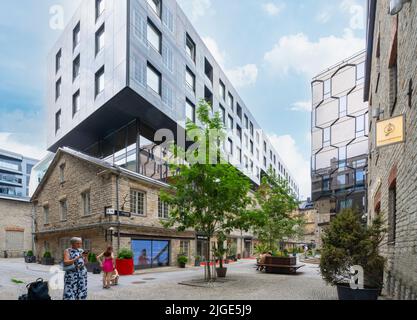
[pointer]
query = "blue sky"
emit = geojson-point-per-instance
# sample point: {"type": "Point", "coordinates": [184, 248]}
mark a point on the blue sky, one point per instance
{"type": "Point", "coordinates": [269, 48]}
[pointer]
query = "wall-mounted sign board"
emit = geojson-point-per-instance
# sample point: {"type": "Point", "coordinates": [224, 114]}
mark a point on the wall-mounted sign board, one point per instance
{"type": "Point", "coordinates": [390, 131]}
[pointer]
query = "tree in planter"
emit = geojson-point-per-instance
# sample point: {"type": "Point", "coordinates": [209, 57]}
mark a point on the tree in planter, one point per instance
{"type": "Point", "coordinates": [348, 242]}
{"type": "Point", "coordinates": [207, 195]}
{"type": "Point", "coordinates": [274, 220]}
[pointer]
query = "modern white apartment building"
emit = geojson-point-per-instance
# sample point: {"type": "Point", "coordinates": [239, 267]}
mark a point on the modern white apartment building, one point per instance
{"type": "Point", "coordinates": [123, 69]}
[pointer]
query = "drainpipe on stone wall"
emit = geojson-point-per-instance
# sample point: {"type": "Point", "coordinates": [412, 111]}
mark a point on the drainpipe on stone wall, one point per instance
{"type": "Point", "coordinates": [33, 229]}
{"type": "Point", "coordinates": [117, 210]}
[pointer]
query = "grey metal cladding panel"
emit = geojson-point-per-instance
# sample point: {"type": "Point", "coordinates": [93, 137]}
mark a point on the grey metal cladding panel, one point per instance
{"type": "Point", "coordinates": [113, 57]}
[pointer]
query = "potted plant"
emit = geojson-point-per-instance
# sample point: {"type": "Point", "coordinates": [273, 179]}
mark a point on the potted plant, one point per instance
{"type": "Point", "coordinates": [124, 262]}
{"type": "Point", "coordinates": [219, 253]}
{"type": "Point", "coordinates": [182, 260]}
{"type": "Point", "coordinates": [92, 264]}
{"type": "Point", "coordinates": [47, 259]}
{"type": "Point", "coordinates": [30, 257]}
{"type": "Point", "coordinates": [197, 261]}
{"type": "Point", "coordinates": [232, 250]}
{"type": "Point", "coordinates": [348, 243]}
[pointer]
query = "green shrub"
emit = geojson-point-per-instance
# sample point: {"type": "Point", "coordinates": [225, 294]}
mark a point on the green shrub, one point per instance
{"type": "Point", "coordinates": [29, 253]}
{"type": "Point", "coordinates": [347, 243]}
{"type": "Point", "coordinates": [182, 260]}
{"type": "Point", "coordinates": [47, 254]}
{"type": "Point", "coordinates": [125, 253]}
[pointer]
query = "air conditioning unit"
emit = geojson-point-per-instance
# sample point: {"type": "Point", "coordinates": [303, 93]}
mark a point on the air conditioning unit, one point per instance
{"type": "Point", "coordinates": [395, 6]}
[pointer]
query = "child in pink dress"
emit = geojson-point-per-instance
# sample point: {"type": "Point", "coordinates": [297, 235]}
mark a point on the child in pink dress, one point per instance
{"type": "Point", "coordinates": [108, 266]}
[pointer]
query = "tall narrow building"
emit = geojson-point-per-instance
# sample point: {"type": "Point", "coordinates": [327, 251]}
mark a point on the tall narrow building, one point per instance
{"type": "Point", "coordinates": [340, 137]}
{"type": "Point", "coordinates": [123, 69]}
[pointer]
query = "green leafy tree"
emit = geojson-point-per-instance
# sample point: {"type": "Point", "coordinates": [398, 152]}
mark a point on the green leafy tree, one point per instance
{"type": "Point", "coordinates": [207, 195]}
{"type": "Point", "coordinates": [274, 218]}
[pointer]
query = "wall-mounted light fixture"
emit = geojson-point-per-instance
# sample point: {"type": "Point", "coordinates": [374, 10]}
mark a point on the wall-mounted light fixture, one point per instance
{"type": "Point", "coordinates": [395, 6]}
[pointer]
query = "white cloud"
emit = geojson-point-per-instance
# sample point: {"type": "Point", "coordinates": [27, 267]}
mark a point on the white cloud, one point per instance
{"type": "Point", "coordinates": [298, 53]}
{"type": "Point", "coordinates": [213, 47]}
{"type": "Point", "coordinates": [273, 9]}
{"type": "Point", "coordinates": [295, 161]}
{"type": "Point", "coordinates": [9, 142]}
{"type": "Point", "coordinates": [239, 76]}
{"type": "Point", "coordinates": [301, 106]}
{"type": "Point", "coordinates": [356, 11]}
{"type": "Point", "coordinates": [195, 8]}
{"type": "Point", "coordinates": [243, 76]}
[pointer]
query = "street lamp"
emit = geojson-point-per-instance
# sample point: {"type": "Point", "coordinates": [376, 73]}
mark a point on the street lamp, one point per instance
{"type": "Point", "coordinates": [395, 6]}
{"type": "Point", "coordinates": [111, 229]}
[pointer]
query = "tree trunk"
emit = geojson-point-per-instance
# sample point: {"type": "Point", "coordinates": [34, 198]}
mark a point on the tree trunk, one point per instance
{"type": "Point", "coordinates": [208, 260]}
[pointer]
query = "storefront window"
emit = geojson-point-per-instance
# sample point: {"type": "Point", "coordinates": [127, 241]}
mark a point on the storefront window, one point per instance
{"type": "Point", "coordinates": [151, 253]}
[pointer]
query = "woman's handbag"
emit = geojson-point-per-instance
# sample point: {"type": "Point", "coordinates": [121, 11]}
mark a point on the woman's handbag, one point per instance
{"type": "Point", "coordinates": [69, 268]}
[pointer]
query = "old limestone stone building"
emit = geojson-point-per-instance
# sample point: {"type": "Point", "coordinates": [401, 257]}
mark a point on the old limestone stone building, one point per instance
{"type": "Point", "coordinates": [15, 227]}
{"type": "Point", "coordinates": [391, 78]}
{"type": "Point", "coordinates": [76, 198]}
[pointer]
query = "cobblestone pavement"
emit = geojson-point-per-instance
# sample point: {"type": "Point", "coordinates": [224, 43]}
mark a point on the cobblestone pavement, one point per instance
{"type": "Point", "coordinates": [245, 283]}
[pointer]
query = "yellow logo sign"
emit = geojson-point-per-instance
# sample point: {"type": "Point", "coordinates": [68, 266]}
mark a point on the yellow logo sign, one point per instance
{"type": "Point", "coordinates": [390, 131]}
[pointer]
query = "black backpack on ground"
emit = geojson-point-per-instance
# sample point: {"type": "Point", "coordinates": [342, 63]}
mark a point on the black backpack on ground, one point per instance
{"type": "Point", "coordinates": [37, 290]}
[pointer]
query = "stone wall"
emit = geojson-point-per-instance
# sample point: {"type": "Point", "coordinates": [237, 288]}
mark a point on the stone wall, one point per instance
{"type": "Point", "coordinates": [15, 217]}
{"type": "Point", "coordinates": [397, 161]}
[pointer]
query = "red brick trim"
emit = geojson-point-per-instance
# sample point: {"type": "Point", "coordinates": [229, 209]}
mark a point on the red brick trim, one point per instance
{"type": "Point", "coordinates": [394, 43]}
{"type": "Point", "coordinates": [392, 179]}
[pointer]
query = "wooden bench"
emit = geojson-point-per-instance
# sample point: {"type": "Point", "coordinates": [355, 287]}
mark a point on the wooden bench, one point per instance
{"type": "Point", "coordinates": [280, 269]}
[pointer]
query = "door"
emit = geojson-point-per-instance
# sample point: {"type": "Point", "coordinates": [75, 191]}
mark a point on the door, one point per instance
{"type": "Point", "coordinates": [14, 241]}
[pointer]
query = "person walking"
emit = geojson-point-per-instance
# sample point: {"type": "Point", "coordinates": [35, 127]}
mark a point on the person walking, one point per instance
{"type": "Point", "coordinates": [108, 266]}
{"type": "Point", "coordinates": [75, 280]}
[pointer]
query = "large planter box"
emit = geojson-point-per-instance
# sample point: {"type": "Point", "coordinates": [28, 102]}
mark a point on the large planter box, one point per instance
{"type": "Point", "coordinates": [93, 266]}
{"type": "Point", "coordinates": [344, 292]}
{"type": "Point", "coordinates": [281, 261]}
{"type": "Point", "coordinates": [125, 267]}
{"type": "Point", "coordinates": [48, 261]}
{"type": "Point", "coordinates": [279, 265]}
{"type": "Point", "coordinates": [30, 259]}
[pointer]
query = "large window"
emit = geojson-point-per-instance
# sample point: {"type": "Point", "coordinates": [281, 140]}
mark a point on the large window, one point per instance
{"type": "Point", "coordinates": [326, 137]}
{"type": "Point", "coordinates": [76, 67]}
{"type": "Point", "coordinates": [342, 106]}
{"type": "Point", "coordinates": [222, 114]}
{"type": "Point", "coordinates": [190, 79]}
{"type": "Point", "coordinates": [163, 209]}
{"type": "Point", "coordinates": [46, 215]}
{"type": "Point", "coordinates": [222, 91]}
{"type": "Point", "coordinates": [58, 88]}
{"type": "Point", "coordinates": [185, 248]}
{"type": "Point", "coordinates": [230, 122]}
{"type": "Point", "coordinates": [190, 47]}
{"type": "Point", "coordinates": [151, 253]}
{"type": "Point", "coordinates": [86, 203]}
{"type": "Point", "coordinates": [154, 79]}
{"type": "Point", "coordinates": [360, 126]}
{"type": "Point", "coordinates": [76, 103]}
{"type": "Point", "coordinates": [63, 209]}
{"type": "Point", "coordinates": [76, 36]}
{"type": "Point", "coordinates": [57, 121]}
{"type": "Point", "coordinates": [58, 60]}
{"type": "Point", "coordinates": [208, 70]}
{"type": "Point", "coordinates": [99, 81]}
{"type": "Point", "coordinates": [154, 36]}
{"type": "Point", "coordinates": [99, 8]}
{"type": "Point", "coordinates": [230, 100]}
{"type": "Point", "coordinates": [137, 202]}
{"type": "Point", "coordinates": [155, 5]}
{"type": "Point", "coordinates": [189, 111]}
{"type": "Point", "coordinates": [230, 146]}
{"type": "Point", "coordinates": [100, 39]}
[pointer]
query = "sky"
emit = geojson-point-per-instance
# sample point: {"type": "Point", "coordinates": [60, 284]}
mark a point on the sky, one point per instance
{"type": "Point", "coordinates": [270, 49]}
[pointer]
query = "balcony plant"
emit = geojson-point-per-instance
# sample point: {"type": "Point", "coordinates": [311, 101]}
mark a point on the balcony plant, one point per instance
{"type": "Point", "coordinates": [47, 259]}
{"type": "Point", "coordinates": [124, 262]}
{"type": "Point", "coordinates": [30, 257]}
{"type": "Point", "coordinates": [348, 243]}
{"type": "Point", "coordinates": [182, 260]}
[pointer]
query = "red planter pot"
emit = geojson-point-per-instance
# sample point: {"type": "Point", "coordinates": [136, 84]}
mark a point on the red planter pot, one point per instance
{"type": "Point", "coordinates": [125, 267]}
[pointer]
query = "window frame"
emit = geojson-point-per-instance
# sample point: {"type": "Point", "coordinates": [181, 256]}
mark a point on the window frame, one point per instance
{"type": "Point", "coordinates": [151, 26]}
{"type": "Point", "coordinates": [150, 67]}
{"type": "Point", "coordinates": [100, 33]}
{"type": "Point", "coordinates": [135, 210]}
